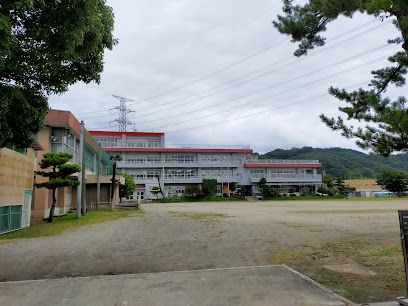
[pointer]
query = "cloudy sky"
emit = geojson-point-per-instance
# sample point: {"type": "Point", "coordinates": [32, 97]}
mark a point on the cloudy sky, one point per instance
{"type": "Point", "coordinates": [218, 72]}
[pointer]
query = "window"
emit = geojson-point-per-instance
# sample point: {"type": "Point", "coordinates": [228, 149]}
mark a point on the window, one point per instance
{"type": "Point", "coordinates": [181, 173]}
{"type": "Point", "coordinates": [283, 172]}
{"type": "Point", "coordinates": [216, 173]}
{"type": "Point", "coordinates": [146, 175]}
{"type": "Point", "coordinates": [180, 158]}
{"type": "Point", "coordinates": [109, 142]}
{"type": "Point", "coordinates": [258, 173]}
{"type": "Point", "coordinates": [153, 144]}
{"type": "Point", "coordinates": [174, 190]}
{"type": "Point", "coordinates": [214, 158]}
{"type": "Point", "coordinates": [153, 159]}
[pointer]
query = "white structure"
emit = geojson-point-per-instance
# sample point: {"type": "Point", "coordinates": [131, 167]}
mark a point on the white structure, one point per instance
{"type": "Point", "coordinates": [149, 161]}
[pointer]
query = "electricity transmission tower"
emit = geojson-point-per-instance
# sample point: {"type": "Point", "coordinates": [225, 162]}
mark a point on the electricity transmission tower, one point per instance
{"type": "Point", "coordinates": [123, 111]}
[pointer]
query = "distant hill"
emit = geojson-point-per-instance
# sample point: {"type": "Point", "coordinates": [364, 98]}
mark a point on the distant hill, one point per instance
{"type": "Point", "coordinates": [344, 163]}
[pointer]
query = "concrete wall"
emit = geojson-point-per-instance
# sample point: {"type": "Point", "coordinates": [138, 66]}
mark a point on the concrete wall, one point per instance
{"type": "Point", "coordinates": [16, 175]}
{"type": "Point", "coordinates": [16, 183]}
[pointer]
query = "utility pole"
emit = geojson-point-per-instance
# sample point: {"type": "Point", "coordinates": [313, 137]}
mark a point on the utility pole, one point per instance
{"type": "Point", "coordinates": [80, 173]}
{"type": "Point", "coordinates": [83, 183]}
{"type": "Point", "coordinates": [98, 179]}
{"type": "Point", "coordinates": [123, 111]}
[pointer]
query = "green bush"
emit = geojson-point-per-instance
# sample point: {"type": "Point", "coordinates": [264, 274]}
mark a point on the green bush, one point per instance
{"type": "Point", "coordinates": [209, 187]}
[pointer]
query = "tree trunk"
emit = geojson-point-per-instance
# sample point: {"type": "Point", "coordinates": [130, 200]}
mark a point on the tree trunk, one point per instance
{"type": "Point", "coordinates": [161, 191]}
{"type": "Point", "coordinates": [113, 183]}
{"type": "Point", "coordinates": [51, 216]}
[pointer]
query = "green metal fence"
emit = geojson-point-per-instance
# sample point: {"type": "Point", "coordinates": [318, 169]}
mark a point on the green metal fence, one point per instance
{"type": "Point", "coordinates": [10, 218]}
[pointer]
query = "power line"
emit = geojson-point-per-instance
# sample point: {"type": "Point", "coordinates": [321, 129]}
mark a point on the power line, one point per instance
{"type": "Point", "coordinates": [314, 98]}
{"type": "Point", "coordinates": [241, 60]}
{"type": "Point", "coordinates": [270, 87]}
{"type": "Point", "coordinates": [251, 79]}
{"type": "Point", "coordinates": [230, 65]}
{"type": "Point", "coordinates": [263, 98]}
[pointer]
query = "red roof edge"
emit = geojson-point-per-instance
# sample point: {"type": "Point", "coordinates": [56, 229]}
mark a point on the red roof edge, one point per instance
{"type": "Point", "coordinates": [117, 133]}
{"type": "Point", "coordinates": [187, 150]}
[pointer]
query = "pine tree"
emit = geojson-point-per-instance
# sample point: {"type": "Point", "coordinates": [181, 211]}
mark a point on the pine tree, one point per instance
{"type": "Point", "coordinates": [387, 120]}
{"type": "Point", "coordinates": [58, 175]}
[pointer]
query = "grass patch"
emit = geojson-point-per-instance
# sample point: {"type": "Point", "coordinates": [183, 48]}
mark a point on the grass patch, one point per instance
{"type": "Point", "coordinates": [379, 251]}
{"type": "Point", "coordinates": [198, 216]}
{"type": "Point", "coordinates": [376, 199]}
{"type": "Point", "coordinates": [283, 256]}
{"type": "Point", "coordinates": [334, 198]}
{"type": "Point", "coordinates": [345, 211]}
{"type": "Point", "coordinates": [68, 222]}
{"type": "Point", "coordinates": [385, 259]}
{"type": "Point", "coordinates": [306, 198]}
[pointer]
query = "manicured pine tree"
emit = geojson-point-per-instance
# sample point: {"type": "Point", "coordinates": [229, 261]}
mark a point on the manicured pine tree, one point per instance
{"type": "Point", "coordinates": [56, 169]}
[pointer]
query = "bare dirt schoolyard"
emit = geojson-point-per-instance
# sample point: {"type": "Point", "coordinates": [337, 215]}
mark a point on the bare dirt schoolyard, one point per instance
{"type": "Point", "coordinates": [352, 247]}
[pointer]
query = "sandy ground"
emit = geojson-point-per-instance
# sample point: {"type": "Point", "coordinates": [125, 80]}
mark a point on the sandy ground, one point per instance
{"type": "Point", "coordinates": [251, 233]}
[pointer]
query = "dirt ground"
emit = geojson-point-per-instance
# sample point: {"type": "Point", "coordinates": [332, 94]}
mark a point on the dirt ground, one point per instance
{"type": "Point", "coordinates": [351, 247]}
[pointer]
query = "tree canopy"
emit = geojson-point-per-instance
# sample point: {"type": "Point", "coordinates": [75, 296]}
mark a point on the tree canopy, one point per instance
{"type": "Point", "coordinates": [386, 129]}
{"type": "Point", "coordinates": [209, 187]}
{"type": "Point", "coordinates": [393, 180]}
{"type": "Point", "coordinates": [129, 187]}
{"type": "Point", "coordinates": [57, 171]}
{"type": "Point", "coordinates": [46, 46]}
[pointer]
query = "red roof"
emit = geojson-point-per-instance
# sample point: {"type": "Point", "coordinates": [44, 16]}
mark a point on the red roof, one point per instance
{"type": "Point", "coordinates": [282, 165]}
{"type": "Point", "coordinates": [184, 150]}
{"type": "Point", "coordinates": [117, 133]}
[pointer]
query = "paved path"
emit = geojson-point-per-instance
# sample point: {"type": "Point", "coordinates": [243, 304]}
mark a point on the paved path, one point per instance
{"type": "Point", "coordinates": [263, 285]}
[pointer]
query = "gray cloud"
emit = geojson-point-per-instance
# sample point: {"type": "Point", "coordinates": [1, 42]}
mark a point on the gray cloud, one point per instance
{"type": "Point", "coordinates": [164, 44]}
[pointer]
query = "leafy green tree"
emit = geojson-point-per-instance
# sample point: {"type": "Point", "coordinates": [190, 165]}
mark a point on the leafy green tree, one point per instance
{"type": "Point", "coordinates": [244, 190]}
{"type": "Point", "coordinates": [329, 180]}
{"type": "Point", "coordinates": [393, 181]}
{"type": "Point", "coordinates": [193, 191]}
{"type": "Point", "coordinates": [58, 174]}
{"type": "Point", "coordinates": [156, 190]}
{"type": "Point", "coordinates": [46, 46]}
{"type": "Point", "coordinates": [387, 120]}
{"type": "Point", "coordinates": [266, 190]}
{"type": "Point", "coordinates": [342, 188]}
{"type": "Point", "coordinates": [209, 187]}
{"type": "Point", "coordinates": [129, 187]}
{"type": "Point", "coordinates": [325, 190]}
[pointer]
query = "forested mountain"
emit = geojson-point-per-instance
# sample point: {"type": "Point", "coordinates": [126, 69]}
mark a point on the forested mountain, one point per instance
{"type": "Point", "coordinates": [345, 163]}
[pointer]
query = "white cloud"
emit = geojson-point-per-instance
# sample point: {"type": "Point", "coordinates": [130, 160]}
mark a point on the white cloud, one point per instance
{"type": "Point", "coordinates": [164, 44]}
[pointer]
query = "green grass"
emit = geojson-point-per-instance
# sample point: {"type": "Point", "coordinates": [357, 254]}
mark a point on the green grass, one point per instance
{"type": "Point", "coordinates": [198, 216]}
{"type": "Point", "coordinates": [68, 222]}
{"type": "Point", "coordinates": [284, 256]}
{"type": "Point", "coordinates": [335, 198]}
{"type": "Point", "coordinates": [385, 259]}
{"type": "Point", "coordinates": [305, 198]}
{"type": "Point", "coordinates": [358, 199]}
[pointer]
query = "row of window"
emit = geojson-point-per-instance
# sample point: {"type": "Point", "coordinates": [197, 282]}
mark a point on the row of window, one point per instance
{"type": "Point", "coordinates": [178, 158]}
{"type": "Point", "coordinates": [117, 142]}
{"type": "Point", "coordinates": [216, 173]}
